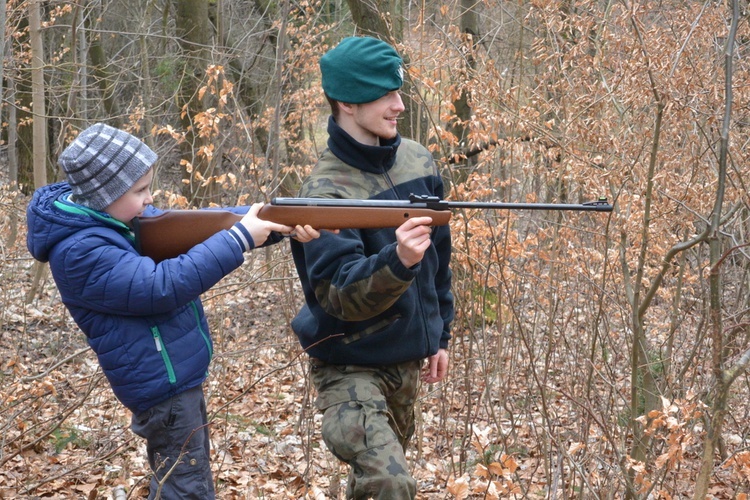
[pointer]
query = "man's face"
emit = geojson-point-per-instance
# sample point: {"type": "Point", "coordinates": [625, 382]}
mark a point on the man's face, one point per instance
{"type": "Point", "coordinates": [134, 201]}
{"type": "Point", "coordinates": [376, 120]}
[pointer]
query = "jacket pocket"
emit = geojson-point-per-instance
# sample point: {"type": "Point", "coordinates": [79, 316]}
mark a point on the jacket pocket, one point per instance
{"type": "Point", "coordinates": [161, 349]}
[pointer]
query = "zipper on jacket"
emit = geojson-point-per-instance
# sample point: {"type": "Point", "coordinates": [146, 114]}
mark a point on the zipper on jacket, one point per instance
{"type": "Point", "coordinates": [390, 183]}
{"type": "Point", "coordinates": [425, 326]}
{"type": "Point", "coordinates": [164, 354]}
{"type": "Point", "coordinates": [200, 328]}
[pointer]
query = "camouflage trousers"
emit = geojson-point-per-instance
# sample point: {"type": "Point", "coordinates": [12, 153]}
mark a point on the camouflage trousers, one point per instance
{"type": "Point", "coordinates": [368, 420]}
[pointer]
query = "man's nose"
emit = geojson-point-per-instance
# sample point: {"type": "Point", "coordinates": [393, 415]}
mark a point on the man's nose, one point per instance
{"type": "Point", "coordinates": [399, 104]}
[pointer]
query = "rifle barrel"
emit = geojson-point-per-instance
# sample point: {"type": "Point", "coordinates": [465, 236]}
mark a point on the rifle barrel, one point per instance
{"type": "Point", "coordinates": [600, 205]}
{"type": "Point", "coordinates": [597, 206]}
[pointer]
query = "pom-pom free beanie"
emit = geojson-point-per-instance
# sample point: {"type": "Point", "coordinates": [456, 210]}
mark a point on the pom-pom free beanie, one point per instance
{"type": "Point", "coordinates": [102, 163]}
{"type": "Point", "coordinates": [360, 70]}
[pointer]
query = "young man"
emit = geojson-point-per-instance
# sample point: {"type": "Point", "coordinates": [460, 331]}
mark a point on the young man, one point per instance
{"type": "Point", "coordinates": [144, 320]}
{"type": "Point", "coordinates": [378, 302]}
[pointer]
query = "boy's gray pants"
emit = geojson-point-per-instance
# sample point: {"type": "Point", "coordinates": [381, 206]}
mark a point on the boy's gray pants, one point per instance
{"type": "Point", "coordinates": [368, 420]}
{"type": "Point", "coordinates": [171, 428]}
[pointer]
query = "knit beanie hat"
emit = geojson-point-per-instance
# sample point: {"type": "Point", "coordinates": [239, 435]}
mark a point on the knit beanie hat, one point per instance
{"type": "Point", "coordinates": [360, 70]}
{"type": "Point", "coordinates": [103, 163]}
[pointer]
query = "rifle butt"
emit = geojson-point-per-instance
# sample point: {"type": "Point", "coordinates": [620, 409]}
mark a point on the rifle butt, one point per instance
{"type": "Point", "coordinates": [175, 232]}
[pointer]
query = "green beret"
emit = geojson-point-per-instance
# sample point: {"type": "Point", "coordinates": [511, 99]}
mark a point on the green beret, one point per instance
{"type": "Point", "coordinates": [360, 70]}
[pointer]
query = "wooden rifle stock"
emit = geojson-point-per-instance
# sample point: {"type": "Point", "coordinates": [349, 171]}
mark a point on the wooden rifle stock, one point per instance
{"type": "Point", "coordinates": [176, 231]}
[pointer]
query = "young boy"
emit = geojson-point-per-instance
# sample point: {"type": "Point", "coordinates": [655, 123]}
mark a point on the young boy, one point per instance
{"type": "Point", "coordinates": [145, 321]}
{"type": "Point", "coordinates": [378, 302]}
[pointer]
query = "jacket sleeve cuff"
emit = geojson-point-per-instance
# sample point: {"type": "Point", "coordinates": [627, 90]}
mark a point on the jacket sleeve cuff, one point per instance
{"type": "Point", "coordinates": [242, 236]}
{"type": "Point", "coordinates": [399, 270]}
{"type": "Point", "coordinates": [444, 341]}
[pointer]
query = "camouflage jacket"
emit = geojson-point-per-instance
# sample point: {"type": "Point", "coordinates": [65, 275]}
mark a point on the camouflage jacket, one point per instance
{"type": "Point", "coordinates": [362, 305]}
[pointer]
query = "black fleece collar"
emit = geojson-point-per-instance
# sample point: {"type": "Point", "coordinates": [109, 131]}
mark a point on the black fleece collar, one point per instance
{"type": "Point", "coordinates": [375, 159]}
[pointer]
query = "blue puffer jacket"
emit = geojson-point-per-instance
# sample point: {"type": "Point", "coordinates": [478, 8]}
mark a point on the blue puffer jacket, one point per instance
{"type": "Point", "coordinates": [145, 321]}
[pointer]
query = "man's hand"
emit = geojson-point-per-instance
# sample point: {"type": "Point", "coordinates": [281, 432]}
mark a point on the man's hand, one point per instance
{"type": "Point", "coordinates": [437, 367]}
{"type": "Point", "coordinates": [303, 234]}
{"type": "Point", "coordinates": [413, 239]}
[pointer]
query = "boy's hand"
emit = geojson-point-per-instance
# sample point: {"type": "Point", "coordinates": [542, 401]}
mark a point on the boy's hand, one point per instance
{"type": "Point", "coordinates": [260, 229]}
{"type": "Point", "coordinates": [413, 237]}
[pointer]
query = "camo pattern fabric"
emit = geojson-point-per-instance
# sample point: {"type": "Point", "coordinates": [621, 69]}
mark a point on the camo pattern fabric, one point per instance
{"type": "Point", "coordinates": [334, 179]}
{"type": "Point", "coordinates": [362, 299]}
{"type": "Point", "coordinates": [368, 419]}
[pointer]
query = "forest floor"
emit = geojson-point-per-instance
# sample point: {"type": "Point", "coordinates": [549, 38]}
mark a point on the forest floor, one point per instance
{"type": "Point", "coordinates": [64, 435]}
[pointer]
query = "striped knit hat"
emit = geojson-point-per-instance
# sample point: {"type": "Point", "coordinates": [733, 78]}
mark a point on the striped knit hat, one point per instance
{"type": "Point", "coordinates": [103, 163]}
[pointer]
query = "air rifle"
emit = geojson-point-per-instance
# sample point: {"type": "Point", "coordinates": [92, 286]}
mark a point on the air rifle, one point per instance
{"type": "Point", "coordinates": [176, 231]}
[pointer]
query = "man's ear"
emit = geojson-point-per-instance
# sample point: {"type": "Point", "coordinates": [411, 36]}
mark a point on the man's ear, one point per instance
{"type": "Point", "coordinates": [345, 107]}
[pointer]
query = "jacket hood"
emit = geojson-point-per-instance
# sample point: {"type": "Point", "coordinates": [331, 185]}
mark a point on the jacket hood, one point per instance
{"type": "Point", "coordinates": [51, 218]}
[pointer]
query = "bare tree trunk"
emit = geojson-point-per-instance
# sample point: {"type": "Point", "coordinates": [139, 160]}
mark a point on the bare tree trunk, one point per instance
{"type": "Point", "coordinates": [10, 94]}
{"type": "Point", "coordinates": [81, 49]}
{"type": "Point", "coordinates": [469, 22]}
{"type": "Point", "coordinates": [723, 380]}
{"type": "Point", "coordinates": [643, 397]}
{"type": "Point", "coordinates": [147, 81]}
{"type": "Point", "coordinates": [37, 87]}
{"type": "Point", "coordinates": [101, 72]}
{"type": "Point", "coordinates": [2, 61]}
{"type": "Point", "coordinates": [40, 119]}
{"type": "Point", "coordinates": [77, 82]}
{"type": "Point", "coordinates": [275, 130]}
{"type": "Point", "coordinates": [194, 34]}
{"type": "Point", "coordinates": [377, 20]}
{"type": "Point", "coordinates": [22, 139]}
{"type": "Point", "coordinates": [12, 131]}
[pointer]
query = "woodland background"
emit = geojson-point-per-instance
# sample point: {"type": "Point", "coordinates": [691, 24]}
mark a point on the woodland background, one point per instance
{"type": "Point", "coordinates": [594, 355]}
